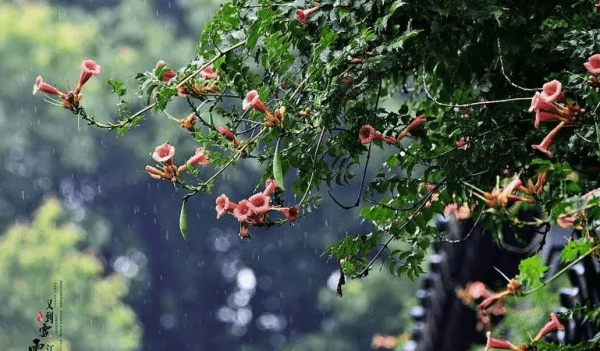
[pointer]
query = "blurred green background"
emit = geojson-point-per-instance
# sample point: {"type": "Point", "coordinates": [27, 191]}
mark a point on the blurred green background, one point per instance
{"type": "Point", "coordinates": [76, 206]}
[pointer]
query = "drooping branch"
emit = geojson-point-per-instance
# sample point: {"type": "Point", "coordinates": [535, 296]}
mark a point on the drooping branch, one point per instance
{"type": "Point", "coordinates": [111, 126]}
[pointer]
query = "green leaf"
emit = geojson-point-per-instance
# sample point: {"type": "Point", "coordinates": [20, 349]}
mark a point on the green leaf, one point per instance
{"type": "Point", "coordinates": [183, 228]}
{"type": "Point", "coordinates": [531, 270]}
{"type": "Point", "coordinates": [277, 170]}
{"type": "Point", "coordinates": [117, 87]}
{"type": "Point", "coordinates": [574, 249]}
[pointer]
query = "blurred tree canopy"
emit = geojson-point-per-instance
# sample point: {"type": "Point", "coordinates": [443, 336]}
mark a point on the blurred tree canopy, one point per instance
{"type": "Point", "coordinates": [34, 257]}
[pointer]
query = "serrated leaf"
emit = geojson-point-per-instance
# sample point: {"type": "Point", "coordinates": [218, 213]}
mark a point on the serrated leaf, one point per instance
{"type": "Point", "coordinates": [277, 169]}
{"type": "Point", "coordinates": [183, 227]}
{"type": "Point", "coordinates": [117, 87]}
{"type": "Point", "coordinates": [574, 249]}
{"type": "Point", "coordinates": [531, 270]}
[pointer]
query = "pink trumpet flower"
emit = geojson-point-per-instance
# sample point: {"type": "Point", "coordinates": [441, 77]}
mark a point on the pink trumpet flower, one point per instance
{"type": "Point", "coordinates": [367, 134]}
{"type": "Point", "coordinates": [89, 69]}
{"type": "Point", "coordinates": [252, 100]}
{"type": "Point", "coordinates": [552, 91]}
{"type": "Point", "coordinates": [200, 157]}
{"type": "Point", "coordinates": [493, 343]}
{"type": "Point", "coordinates": [270, 187]}
{"type": "Point", "coordinates": [547, 142]}
{"type": "Point", "coordinates": [224, 205]}
{"type": "Point", "coordinates": [291, 213]}
{"type": "Point", "coordinates": [46, 88]}
{"type": "Point", "coordinates": [260, 203]}
{"type": "Point", "coordinates": [551, 326]}
{"type": "Point", "coordinates": [414, 124]}
{"type": "Point", "coordinates": [243, 211]}
{"type": "Point", "coordinates": [208, 73]}
{"type": "Point", "coordinates": [164, 153]}
{"type": "Point", "coordinates": [224, 131]}
{"type": "Point", "coordinates": [303, 15]}
{"type": "Point", "coordinates": [543, 116]}
{"type": "Point", "coordinates": [593, 64]}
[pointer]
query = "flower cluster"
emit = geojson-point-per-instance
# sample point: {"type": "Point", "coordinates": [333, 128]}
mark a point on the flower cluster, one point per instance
{"type": "Point", "coordinates": [552, 106]}
{"type": "Point", "coordinates": [70, 100]}
{"type": "Point", "coordinates": [164, 153]}
{"type": "Point", "coordinates": [500, 198]}
{"type": "Point", "coordinates": [476, 292]}
{"type": "Point", "coordinates": [368, 134]}
{"type": "Point", "coordinates": [252, 101]}
{"type": "Point", "coordinates": [254, 210]}
{"type": "Point", "coordinates": [209, 84]}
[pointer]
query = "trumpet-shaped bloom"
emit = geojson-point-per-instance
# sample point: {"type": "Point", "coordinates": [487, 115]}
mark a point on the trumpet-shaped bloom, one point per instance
{"type": "Point", "coordinates": [46, 88]}
{"type": "Point", "coordinates": [260, 203]}
{"type": "Point", "coordinates": [303, 15]}
{"type": "Point", "coordinates": [538, 104]}
{"type": "Point", "coordinates": [200, 157]}
{"type": "Point", "coordinates": [547, 142]}
{"type": "Point", "coordinates": [270, 187]}
{"type": "Point", "coordinates": [367, 134]}
{"type": "Point", "coordinates": [552, 92]}
{"type": "Point", "coordinates": [551, 326]}
{"type": "Point", "coordinates": [543, 116]}
{"type": "Point", "coordinates": [291, 213]}
{"type": "Point", "coordinates": [208, 73]}
{"type": "Point", "coordinates": [224, 205]}
{"type": "Point", "coordinates": [493, 343]}
{"type": "Point", "coordinates": [89, 69]}
{"type": "Point", "coordinates": [414, 124]}
{"type": "Point", "coordinates": [224, 131]}
{"type": "Point", "coordinates": [593, 64]}
{"type": "Point", "coordinates": [252, 100]}
{"type": "Point", "coordinates": [243, 211]}
{"type": "Point", "coordinates": [164, 153]}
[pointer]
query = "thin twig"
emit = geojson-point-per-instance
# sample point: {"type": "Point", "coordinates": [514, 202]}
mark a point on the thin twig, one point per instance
{"type": "Point", "coordinates": [504, 73]}
{"type": "Point", "coordinates": [468, 234]}
{"type": "Point", "coordinates": [362, 184]}
{"type": "Point", "coordinates": [473, 103]}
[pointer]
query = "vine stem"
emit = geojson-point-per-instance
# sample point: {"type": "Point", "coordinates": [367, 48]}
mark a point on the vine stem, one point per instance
{"type": "Point", "coordinates": [470, 104]}
{"type": "Point", "coordinates": [569, 266]}
{"type": "Point", "coordinates": [129, 119]}
{"type": "Point", "coordinates": [410, 219]}
{"type": "Point", "coordinates": [313, 167]}
{"type": "Point", "coordinates": [235, 157]}
{"type": "Point", "coordinates": [504, 73]}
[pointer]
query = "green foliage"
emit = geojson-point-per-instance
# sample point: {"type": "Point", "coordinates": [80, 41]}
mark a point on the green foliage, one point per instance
{"type": "Point", "coordinates": [575, 248]}
{"type": "Point", "coordinates": [37, 255]}
{"type": "Point", "coordinates": [531, 271]}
